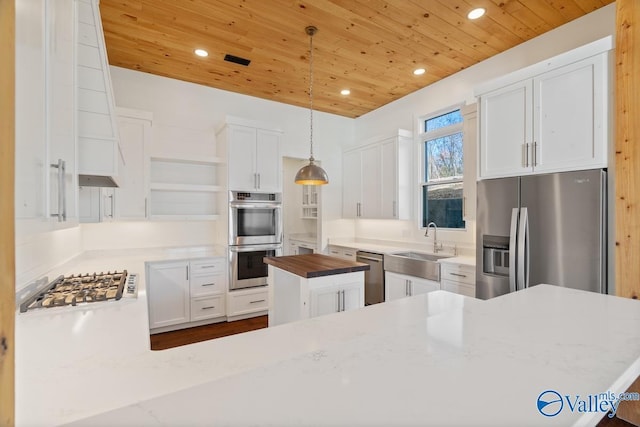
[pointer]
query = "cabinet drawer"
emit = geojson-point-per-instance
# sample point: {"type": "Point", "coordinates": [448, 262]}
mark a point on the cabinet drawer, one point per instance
{"type": "Point", "coordinates": [243, 302]}
{"type": "Point", "coordinates": [459, 288]}
{"type": "Point", "coordinates": [209, 284]}
{"type": "Point", "coordinates": [458, 273]}
{"type": "Point", "coordinates": [207, 267]}
{"type": "Point", "coordinates": [207, 308]}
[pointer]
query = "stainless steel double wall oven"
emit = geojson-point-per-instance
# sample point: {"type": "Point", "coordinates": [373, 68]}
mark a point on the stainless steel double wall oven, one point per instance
{"type": "Point", "coordinates": [255, 231]}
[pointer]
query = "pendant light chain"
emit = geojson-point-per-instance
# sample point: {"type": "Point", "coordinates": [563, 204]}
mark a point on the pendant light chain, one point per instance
{"type": "Point", "coordinates": [311, 91]}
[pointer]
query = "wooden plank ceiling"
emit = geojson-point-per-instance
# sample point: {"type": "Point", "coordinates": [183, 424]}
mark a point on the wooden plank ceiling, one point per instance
{"type": "Point", "coordinates": [368, 46]}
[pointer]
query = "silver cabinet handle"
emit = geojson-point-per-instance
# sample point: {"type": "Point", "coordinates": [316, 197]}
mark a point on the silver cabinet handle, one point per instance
{"type": "Point", "coordinates": [112, 206]}
{"type": "Point", "coordinates": [513, 242]}
{"type": "Point", "coordinates": [207, 266]}
{"type": "Point", "coordinates": [410, 287]}
{"type": "Point", "coordinates": [534, 154]}
{"type": "Point", "coordinates": [525, 154]}
{"type": "Point", "coordinates": [343, 301]}
{"type": "Point", "coordinates": [62, 193]}
{"type": "Point", "coordinates": [258, 181]}
{"type": "Point", "coordinates": [256, 301]}
{"type": "Point", "coordinates": [464, 206]}
{"type": "Point", "coordinates": [458, 274]}
{"type": "Point", "coordinates": [208, 284]}
{"type": "Point", "coordinates": [255, 180]}
{"type": "Point", "coordinates": [338, 295]}
{"type": "Point", "coordinates": [187, 270]}
{"type": "Point", "coordinates": [209, 307]}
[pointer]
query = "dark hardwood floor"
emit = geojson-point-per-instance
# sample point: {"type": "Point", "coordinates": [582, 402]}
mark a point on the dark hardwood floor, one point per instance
{"type": "Point", "coordinates": [172, 339]}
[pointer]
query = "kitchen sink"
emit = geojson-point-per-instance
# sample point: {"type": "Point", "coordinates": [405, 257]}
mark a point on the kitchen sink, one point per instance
{"type": "Point", "coordinates": [412, 263]}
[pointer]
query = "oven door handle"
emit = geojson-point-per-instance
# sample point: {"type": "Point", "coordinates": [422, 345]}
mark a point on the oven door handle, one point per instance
{"type": "Point", "coordinates": [254, 248]}
{"type": "Point", "coordinates": [255, 205]}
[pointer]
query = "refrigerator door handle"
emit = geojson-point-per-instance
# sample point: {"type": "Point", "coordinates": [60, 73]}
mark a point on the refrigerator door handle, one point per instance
{"type": "Point", "coordinates": [523, 252]}
{"type": "Point", "coordinates": [512, 250]}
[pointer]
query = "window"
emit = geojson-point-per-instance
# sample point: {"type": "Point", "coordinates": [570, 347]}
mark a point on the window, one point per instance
{"type": "Point", "coordinates": [442, 170]}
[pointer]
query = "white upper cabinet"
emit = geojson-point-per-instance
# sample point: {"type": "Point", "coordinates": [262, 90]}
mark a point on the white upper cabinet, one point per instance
{"type": "Point", "coordinates": [570, 127]}
{"type": "Point", "coordinates": [378, 179]}
{"type": "Point", "coordinates": [550, 117]}
{"type": "Point", "coordinates": [254, 161]}
{"type": "Point", "coordinates": [470, 140]}
{"type": "Point", "coordinates": [46, 179]}
{"type": "Point", "coordinates": [505, 129]}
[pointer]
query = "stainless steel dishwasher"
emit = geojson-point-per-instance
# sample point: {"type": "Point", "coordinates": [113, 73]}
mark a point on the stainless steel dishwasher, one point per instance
{"type": "Point", "coordinates": [373, 278]}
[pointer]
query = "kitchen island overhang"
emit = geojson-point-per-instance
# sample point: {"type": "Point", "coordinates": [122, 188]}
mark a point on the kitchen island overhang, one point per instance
{"type": "Point", "coordinates": [432, 359]}
{"type": "Point", "coordinates": [309, 285]}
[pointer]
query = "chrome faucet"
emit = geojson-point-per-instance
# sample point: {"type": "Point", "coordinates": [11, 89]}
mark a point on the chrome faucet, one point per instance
{"type": "Point", "coordinates": [436, 247]}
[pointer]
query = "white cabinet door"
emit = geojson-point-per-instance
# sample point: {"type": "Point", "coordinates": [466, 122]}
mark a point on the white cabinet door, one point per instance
{"type": "Point", "coordinates": [61, 125]}
{"type": "Point", "coordinates": [395, 286]}
{"type": "Point", "coordinates": [324, 301]}
{"type": "Point", "coordinates": [570, 116]}
{"type": "Point", "coordinates": [131, 196]}
{"type": "Point", "coordinates": [353, 296]}
{"type": "Point", "coordinates": [419, 286]}
{"type": "Point", "coordinates": [45, 116]}
{"type": "Point", "coordinates": [470, 141]}
{"type": "Point", "coordinates": [254, 159]}
{"type": "Point", "coordinates": [30, 124]}
{"type": "Point", "coordinates": [268, 160]}
{"type": "Point", "coordinates": [168, 294]}
{"type": "Point", "coordinates": [389, 179]}
{"type": "Point", "coordinates": [332, 299]}
{"type": "Point", "coordinates": [400, 285]}
{"type": "Point", "coordinates": [505, 130]}
{"type": "Point", "coordinates": [371, 182]}
{"type": "Point", "coordinates": [242, 158]}
{"type": "Point", "coordinates": [351, 184]}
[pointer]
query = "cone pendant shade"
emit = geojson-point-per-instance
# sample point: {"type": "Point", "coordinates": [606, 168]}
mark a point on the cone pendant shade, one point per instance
{"type": "Point", "coordinates": [311, 174]}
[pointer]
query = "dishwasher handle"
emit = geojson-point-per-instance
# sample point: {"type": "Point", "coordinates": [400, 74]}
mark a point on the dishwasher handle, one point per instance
{"type": "Point", "coordinates": [359, 257]}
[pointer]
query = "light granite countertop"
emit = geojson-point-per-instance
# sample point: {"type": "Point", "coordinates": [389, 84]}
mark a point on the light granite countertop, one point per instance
{"type": "Point", "coordinates": [433, 359]}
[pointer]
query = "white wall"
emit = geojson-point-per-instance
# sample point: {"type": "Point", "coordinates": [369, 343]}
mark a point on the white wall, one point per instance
{"type": "Point", "coordinates": [185, 117]}
{"type": "Point", "coordinates": [458, 88]}
{"type": "Point", "coordinates": [36, 254]}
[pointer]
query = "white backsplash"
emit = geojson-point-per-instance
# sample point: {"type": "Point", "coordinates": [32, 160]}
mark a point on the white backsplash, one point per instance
{"type": "Point", "coordinates": [36, 254]}
{"type": "Point", "coordinates": [148, 234]}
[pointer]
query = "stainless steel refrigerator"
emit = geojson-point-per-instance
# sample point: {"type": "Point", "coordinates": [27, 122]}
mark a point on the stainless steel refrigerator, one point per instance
{"type": "Point", "coordinates": [537, 229]}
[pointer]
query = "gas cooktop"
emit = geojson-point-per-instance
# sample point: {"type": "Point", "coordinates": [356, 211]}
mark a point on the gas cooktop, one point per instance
{"type": "Point", "coordinates": [84, 288]}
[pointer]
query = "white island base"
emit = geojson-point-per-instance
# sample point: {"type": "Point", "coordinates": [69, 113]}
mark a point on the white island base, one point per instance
{"type": "Point", "coordinates": [292, 297]}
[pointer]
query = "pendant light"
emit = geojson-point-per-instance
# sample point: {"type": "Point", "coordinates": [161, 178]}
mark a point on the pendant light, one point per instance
{"type": "Point", "coordinates": [311, 174]}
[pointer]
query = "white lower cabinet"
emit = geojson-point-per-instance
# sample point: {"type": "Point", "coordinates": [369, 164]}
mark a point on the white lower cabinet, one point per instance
{"type": "Point", "coordinates": [335, 298]}
{"type": "Point", "coordinates": [400, 285]}
{"type": "Point", "coordinates": [207, 307]}
{"type": "Point", "coordinates": [247, 303]}
{"type": "Point", "coordinates": [168, 293]}
{"type": "Point", "coordinates": [180, 293]}
{"type": "Point", "coordinates": [459, 279]}
{"type": "Point", "coordinates": [343, 252]}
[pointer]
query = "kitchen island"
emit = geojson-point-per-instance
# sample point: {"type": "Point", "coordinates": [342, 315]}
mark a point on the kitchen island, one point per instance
{"type": "Point", "coordinates": [303, 286]}
{"type": "Point", "coordinates": [432, 359]}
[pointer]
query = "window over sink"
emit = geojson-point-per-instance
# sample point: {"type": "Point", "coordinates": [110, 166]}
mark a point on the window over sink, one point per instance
{"type": "Point", "coordinates": [442, 165]}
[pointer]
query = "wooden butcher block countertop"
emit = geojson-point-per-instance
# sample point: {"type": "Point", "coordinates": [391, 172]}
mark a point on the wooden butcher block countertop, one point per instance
{"type": "Point", "coordinates": [315, 265]}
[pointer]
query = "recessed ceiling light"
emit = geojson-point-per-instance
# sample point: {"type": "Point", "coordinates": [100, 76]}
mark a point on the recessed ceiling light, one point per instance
{"type": "Point", "coordinates": [201, 52]}
{"type": "Point", "coordinates": [419, 71]}
{"type": "Point", "coordinates": [345, 92]}
{"type": "Point", "coordinates": [476, 13]}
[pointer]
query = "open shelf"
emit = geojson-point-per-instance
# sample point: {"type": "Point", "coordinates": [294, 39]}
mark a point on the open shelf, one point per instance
{"type": "Point", "coordinates": [194, 160]}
